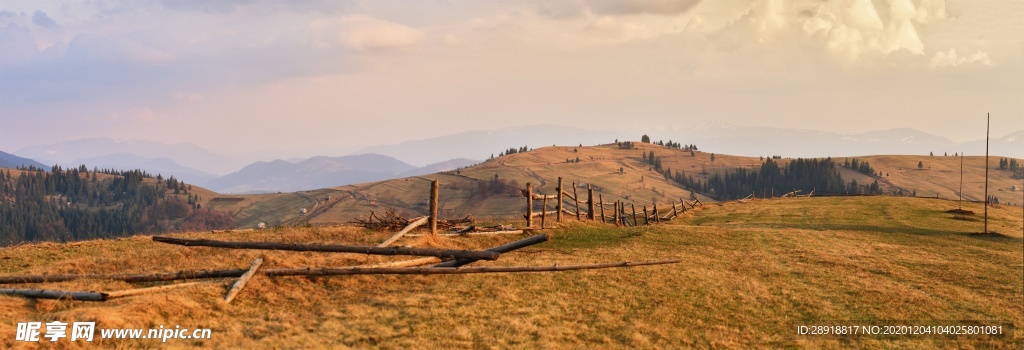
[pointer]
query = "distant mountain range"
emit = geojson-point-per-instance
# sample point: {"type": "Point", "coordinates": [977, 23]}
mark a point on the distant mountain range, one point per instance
{"type": "Point", "coordinates": [196, 165]}
{"type": "Point", "coordinates": [735, 140]}
{"type": "Point", "coordinates": [76, 152]}
{"type": "Point", "coordinates": [761, 141]}
{"type": "Point", "coordinates": [163, 165]}
{"type": "Point", "coordinates": [8, 160]}
{"type": "Point", "coordinates": [482, 144]}
{"type": "Point", "coordinates": [322, 172]}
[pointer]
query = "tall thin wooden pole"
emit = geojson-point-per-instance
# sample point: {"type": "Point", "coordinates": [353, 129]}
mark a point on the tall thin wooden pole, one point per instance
{"type": "Point", "coordinates": [634, 214]}
{"type": "Point", "coordinates": [433, 206]}
{"type": "Point", "coordinates": [988, 122]}
{"type": "Point", "coordinates": [674, 212]}
{"type": "Point", "coordinates": [558, 215]}
{"type": "Point", "coordinates": [576, 198]}
{"type": "Point", "coordinates": [657, 217]}
{"type": "Point", "coordinates": [647, 220]}
{"type": "Point", "coordinates": [529, 204]}
{"type": "Point", "coordinates": [961, 204]}
{"type": "Point", "coordinates": [600, 203]}
{"type": "Point", "coordinates": [590, 202]}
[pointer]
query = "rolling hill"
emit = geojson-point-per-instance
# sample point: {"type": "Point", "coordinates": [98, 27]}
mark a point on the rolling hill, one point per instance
{"type": "Point", "coordinates": [491, 189]}
{"type": "Point", "coordinates": [474, 191]}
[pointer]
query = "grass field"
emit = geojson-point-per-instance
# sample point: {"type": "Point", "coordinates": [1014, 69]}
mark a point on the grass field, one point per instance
{"type": "Point", "coordinates": [750, 273]}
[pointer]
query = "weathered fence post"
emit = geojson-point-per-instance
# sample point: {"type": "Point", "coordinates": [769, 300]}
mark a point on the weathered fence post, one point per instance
{"type": "Point", "coordinates": [615, 213]}
{"type": "Point", "coordinates": [544, 212]}
{"type": "Point", "coordinates": [622, 215]}
{"type": "Point", "coordinates": [647, 220]}
{"type": "Point", "coordinates": [590, 202]}
{"type": "Point", "coordinates": [657, 217]}
{"type": "Point", "coordinates": [529, 204]}
{"type": "Point", "coordinates": [682, 204]}
{"type": "Point", "coordinates": [576, 198]}
{"type": "Point", "coordinates": [558, 215]}
{"type": "Point", "coordinates": [674, 212]}
{"type": "Point", "coordinates": [600, 203]}
{"type": "Point", "coordinates": [433, 206]}
{"type": "Point", "coordinates": [634, 214]}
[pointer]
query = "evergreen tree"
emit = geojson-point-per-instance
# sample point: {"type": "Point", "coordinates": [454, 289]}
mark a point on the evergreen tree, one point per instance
{"type": "Point", "coordinates": [920, 165]}
{"type": "Point", "coordinates": [645, 139]}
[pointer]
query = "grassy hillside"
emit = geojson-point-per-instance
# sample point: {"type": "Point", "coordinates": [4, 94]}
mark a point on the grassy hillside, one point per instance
{"type": "Point", "coordinates": [599, 166]}
{"type": "Point", "coordinates": [750, 273]}
{"type": "Point", "coordinates": [459, 196]}
{"type": "Point", "coordinates": [941, 175]}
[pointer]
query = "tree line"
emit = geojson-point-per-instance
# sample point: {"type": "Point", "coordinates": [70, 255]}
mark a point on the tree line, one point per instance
{"type": "Point", "coordinates": [75, 204]}
{"type": "Point", "coordinates": [806, 175]}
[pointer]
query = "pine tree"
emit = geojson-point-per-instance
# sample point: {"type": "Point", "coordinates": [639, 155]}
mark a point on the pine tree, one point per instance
{"type": "Point", "coordinates": [645, 139]}
{"type": "Point", "coordinates": [920, 165]}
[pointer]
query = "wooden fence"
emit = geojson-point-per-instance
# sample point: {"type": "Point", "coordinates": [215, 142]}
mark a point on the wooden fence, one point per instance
{"type": "Point", "coordinates": [619, 216]}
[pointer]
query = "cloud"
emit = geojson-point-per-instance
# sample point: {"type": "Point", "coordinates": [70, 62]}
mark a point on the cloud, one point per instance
{"type": "Point", "coordinates": [221, 7]}
{"type": "Point", "coordinates": [362, 33]}
{"type": "Point", "coordinates": [16, 45]}
{"type": "Point", "coordinates": [951, 59]}
{"type": "Point", "coordinates": [632, 7]}
{"type": "Point", "coordinates": [41, 19]}
{"type": "Point", "coordinates": [366, 33]}
{"type": "Point", "coordinates": [115, 49]}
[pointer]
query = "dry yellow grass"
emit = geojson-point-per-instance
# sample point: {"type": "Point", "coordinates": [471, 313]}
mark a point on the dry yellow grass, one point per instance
{"type": "Point", "coordinates": [750, 272]}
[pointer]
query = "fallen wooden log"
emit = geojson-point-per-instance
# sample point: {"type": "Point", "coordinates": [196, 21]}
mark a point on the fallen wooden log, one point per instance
{"type": "Point", "coordinates": [480, 233]}
{"type": "Point", "coordinates": [56, 294]}
{"type": "Point", "coordinates": [406, 263]}
{"type": "Point", "coordinates": [441, 253]}
{"type": "Point", "coordinates": [131, 278]}
{"type": "Point", "coordinates": [237, 287]}
{"type": "Point", "coordinates": [415, 223]}
{"type": "Point", "coordinates": [540, 197]}
{"type": "Point", "coordinates": [504, 248]}
{"type": "Point", "coordinates": [342, 271]}
{"type": "Point", "coordinates": [465, 230]}
{"type": "Point", "coordinates": [138, 291]}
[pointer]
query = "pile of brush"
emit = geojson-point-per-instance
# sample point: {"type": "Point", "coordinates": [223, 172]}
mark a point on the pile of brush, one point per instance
{"type": "Point", "coordinates": [389, 221]}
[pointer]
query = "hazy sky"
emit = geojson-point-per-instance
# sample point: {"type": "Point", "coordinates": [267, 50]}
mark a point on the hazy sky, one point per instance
{"type": "Point", "coordinates": [252, 74]}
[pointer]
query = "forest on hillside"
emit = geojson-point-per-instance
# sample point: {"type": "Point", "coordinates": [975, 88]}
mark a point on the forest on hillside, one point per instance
{"type": "Point", "coordinates": [805, 175]}
{"type": "Point", "coordinates": [75, 204]}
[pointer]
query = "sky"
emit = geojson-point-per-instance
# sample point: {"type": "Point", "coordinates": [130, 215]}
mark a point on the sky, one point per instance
{"type": "Point", "coordinates": [238, 75]}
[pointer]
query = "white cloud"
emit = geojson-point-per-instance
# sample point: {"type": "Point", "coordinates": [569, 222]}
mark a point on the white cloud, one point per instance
{"type": "Point", "coordinates": [362, 33]}
{"type": "Point", "coordinates": [951, 59]}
